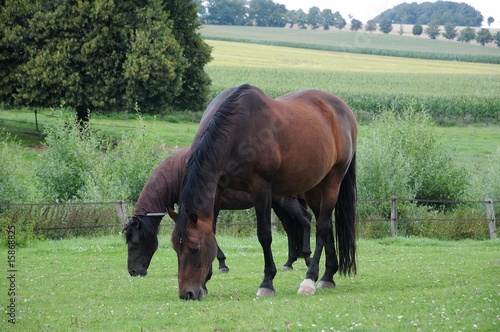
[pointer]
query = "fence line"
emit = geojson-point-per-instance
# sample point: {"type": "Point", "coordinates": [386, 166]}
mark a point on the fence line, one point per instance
{"type": "Point", "coordinates": [121, 214]}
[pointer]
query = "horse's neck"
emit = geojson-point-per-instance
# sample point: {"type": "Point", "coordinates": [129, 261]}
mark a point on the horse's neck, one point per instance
{"type": "Point", "coordinates": [159, 192]}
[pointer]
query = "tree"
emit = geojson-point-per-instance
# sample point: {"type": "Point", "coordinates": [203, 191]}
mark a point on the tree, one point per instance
{"type": "Point", "coordinates": [490, 20]}
{"type": "Point", "coordinates": [356, 24]}
{"type": "Point", "coordinates": [466, 35]}
{"type": "Point", "coordinates": [484, 36]}
{"type": "Point", "coordinates": [496, 38]}
{"type": "Point", "coordinates": [327, 19]}
{"type": "Point", "coordinates": [267, 13]}
{"type": "Point", "coordinates": [432, 30]}
{"type": "Point", "coordinates": [417, 30]}
{"type": "Point", "coordinates": [401, 30]}
{"type": "Point", "coordinates": [371, 25]}
{"type": "Point", "coordinates": [313, 17]}
{"type": "Point", "coordinates": [385, 26]}
{"type": "Point", "coordinates": [297, 17]}
{"type": "Point", "coordinates": [339, 21]}
{"type": "Point", "coordinates": [106, 56]}
{"type": "Point", "coordinates": [450, 31]}
{"type": "Point", "coordinates": [14, 41]}
{"type": "Point", "coordinates": [226, 12]}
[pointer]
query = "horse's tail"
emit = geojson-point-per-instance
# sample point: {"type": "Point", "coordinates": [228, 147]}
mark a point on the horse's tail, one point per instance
{"type": "Point", "coordinates": [345, 221]}
{"type": "Point", "coordinates": [296, 237]}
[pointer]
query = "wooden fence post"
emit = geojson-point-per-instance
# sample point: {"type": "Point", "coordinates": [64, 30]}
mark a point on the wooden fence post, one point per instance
{"type": "Point", "coordinates": [122, 214]}
{"type": "Point", "coordinates": [394, 216]}
{"type": "Point", "coordinates": [490, 216]}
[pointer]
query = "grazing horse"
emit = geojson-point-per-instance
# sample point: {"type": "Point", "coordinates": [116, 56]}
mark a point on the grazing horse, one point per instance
{"type": "Point", "coordinates": [162, 191]}
{"type": "Point", "coordinates": [302, 142]}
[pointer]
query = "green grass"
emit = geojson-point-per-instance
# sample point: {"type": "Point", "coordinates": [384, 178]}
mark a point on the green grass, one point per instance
{"type": "Point", "coordinates": [403, 284]}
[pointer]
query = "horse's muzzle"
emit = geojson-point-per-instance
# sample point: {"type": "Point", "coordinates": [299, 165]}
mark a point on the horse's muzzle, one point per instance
{"type": "Point", "coordinates": [136, 273]}
{"type": "Point", "coordinates": [192, 295]}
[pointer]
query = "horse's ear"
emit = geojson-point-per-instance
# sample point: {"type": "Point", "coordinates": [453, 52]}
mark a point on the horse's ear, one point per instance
{"type": "Point", "coordinates": [172, 213]}
{"type": "Point", "coordinates": [137, 223]}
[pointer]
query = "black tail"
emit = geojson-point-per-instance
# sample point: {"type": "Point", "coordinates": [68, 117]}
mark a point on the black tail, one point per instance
{"type": "Point", "coordinates": [345, 221]}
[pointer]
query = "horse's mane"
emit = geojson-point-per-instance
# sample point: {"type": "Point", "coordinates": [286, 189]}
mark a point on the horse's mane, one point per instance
{"type": "Point", "coordinates": [148, 236]}
{"type": "Point", "coordinates": [204, 163]}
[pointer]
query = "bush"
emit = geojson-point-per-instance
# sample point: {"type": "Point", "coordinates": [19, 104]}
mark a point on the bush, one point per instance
{"type": "Point", "coordinates": [70, 151]}
{"type": "Point", "coordinates": [13, 188]}
{"type": "Point", "coordinates": [401, 157]}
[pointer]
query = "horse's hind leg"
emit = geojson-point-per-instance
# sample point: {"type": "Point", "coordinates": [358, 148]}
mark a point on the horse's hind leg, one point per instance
{"type": "Point", "coordinates": [223, 268]}
{"type": "Point", "coordinates": [322, 200]}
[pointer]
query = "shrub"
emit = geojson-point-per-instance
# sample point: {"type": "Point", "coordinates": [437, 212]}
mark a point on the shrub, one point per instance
{"type": "Point", "coordinates": [71, 149]}
{"type": "Point", "coordinates": [401, 157]}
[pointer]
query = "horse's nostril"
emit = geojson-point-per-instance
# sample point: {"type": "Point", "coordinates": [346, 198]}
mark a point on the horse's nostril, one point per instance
{"type": "Point", "coordinates": [132, 272]}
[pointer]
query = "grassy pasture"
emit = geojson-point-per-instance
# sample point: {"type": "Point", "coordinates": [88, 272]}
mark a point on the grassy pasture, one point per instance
{"type": "Point", "coordinates": [403, 284]}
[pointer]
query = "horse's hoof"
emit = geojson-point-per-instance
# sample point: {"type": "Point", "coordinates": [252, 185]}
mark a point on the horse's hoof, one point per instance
{"type": "Point", "coordinates": [223, 270]}
{"type": "Point", "coordinates": [326, 284]}
{"type": "Point", "coordinates": [286, 268]}
{"type": "Point", "coordinates": [306, 287]}
{"type": "Point", "coordinates": [265, 292]}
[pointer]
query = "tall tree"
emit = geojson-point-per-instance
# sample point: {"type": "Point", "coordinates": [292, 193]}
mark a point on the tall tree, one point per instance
{"type": "Point", "coordinates": [417, 30]}
{"type": "Point", "coordinates": [385, 26]}
{"type": "Point", "coordinates": [356, 24]}
{"type": "Point", "coordinates": [226, 12]}
{"type": "Point", "coordinates": [484, 36]}
{"type": "Point", "coordinates": [314, 17]}
{"type": "Point", "coordinates": [267, 13]}
{"type": "Point", "coordinates": [106, 55]}
{"type": "Point", "coordinates": [450, 31]}
{"type": "Point", "coordinates": [466, 35]}
{"type": "Point", "coordinates": [432, 30]}
{"type": "Point", "coordinates": [195, 81]}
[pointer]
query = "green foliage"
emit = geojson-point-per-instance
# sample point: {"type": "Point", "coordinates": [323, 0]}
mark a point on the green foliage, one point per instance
{"type": "Point", "coordinates": [12, 188]}
{"type": "Point", "coordinates": [417, 29]}
{"type": "Point", "coordinates": [432, 30]}
{"type": "Point", "coordinates": [460, 14]}
{"type": "Point", "coordinates": [195, 81]}
{"type": "Point", "coordinates": [371, 25]}
{"type": "Point", "coordinates": [402, 158]}
{"type": "Point", "coordinates": [385, 26]}
{"type": "Point", "coordinates": [70, 152]}
{"type": "Point", "coordinates": [467, 35]}
{"type": "Point", "coordinates": [356, 24]}
{"type": "Point", "coordinates": [103, 56]}
{"type": "Point", "coordinates": [484, 36]}
{"type": "Point", "coordinates": [154, 65]}
{"type": "Point", "coordinates": [450, 31]}
{"type": "Point", "coordinates": [496, 38]}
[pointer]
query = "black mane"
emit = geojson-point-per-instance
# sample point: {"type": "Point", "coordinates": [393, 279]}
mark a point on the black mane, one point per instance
{"type": "Point", "coordinates": [203, 166]}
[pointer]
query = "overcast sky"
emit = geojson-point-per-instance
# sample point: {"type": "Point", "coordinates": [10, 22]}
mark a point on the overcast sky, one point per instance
{"type": "Point", "coordinates": [365, 10]}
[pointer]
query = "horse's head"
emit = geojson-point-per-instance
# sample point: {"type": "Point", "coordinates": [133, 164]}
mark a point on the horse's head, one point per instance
{"type": "Point", "coordinates": [194, 242]}
{"type": "Point", "coordinates": [141, 235]}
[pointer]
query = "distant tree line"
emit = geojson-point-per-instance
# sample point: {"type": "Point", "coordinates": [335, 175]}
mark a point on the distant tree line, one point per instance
{"type": "Point", "coordinates": [440, 12]}
{"type": "Point", "coordinates": [103, 56]}
{"type": "Point", "coordinates": [268, 13]}
{"type": "Point", "coordinates": [273, 14]}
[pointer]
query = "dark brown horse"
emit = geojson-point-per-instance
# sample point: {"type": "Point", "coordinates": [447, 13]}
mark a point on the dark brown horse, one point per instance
{"type": "Point", "coordinates": [162, 191]}
{"type": "Point", "coordinates": [304, 141]}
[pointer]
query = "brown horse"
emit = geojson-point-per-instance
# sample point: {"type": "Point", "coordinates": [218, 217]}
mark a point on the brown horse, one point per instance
{"type": "Point", "coordinates": [162, 191]}
{"type": "Point", "coordinates": [304, 141]}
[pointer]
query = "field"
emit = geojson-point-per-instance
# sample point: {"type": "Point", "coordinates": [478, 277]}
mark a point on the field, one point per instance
{"type": "Point", "coordinates": [81, 284]}
{"type": "Point", "coordinates": [403, 284]}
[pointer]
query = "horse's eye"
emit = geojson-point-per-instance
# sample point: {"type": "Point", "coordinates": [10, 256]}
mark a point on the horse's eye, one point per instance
{"type": "Point", "coordinates": [194, 250]}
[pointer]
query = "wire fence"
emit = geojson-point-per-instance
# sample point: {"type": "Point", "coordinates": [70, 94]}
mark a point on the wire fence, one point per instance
{"type": "Point", "coordinates": [395, 216]}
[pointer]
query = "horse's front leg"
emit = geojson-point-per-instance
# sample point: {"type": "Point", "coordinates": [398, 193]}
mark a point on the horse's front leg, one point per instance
{"type": "Point", "coordinates": [263, 202]}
